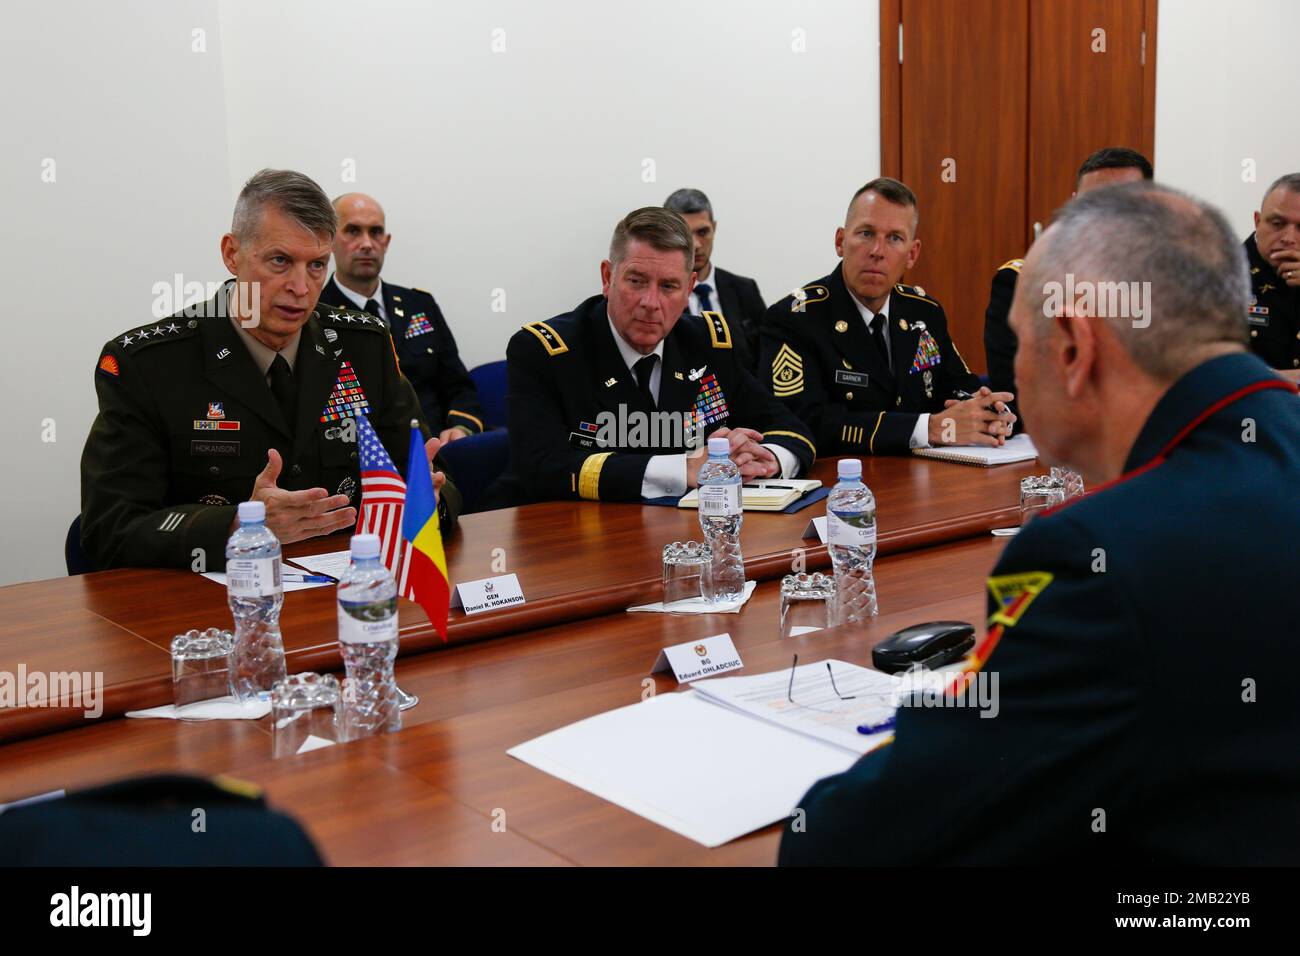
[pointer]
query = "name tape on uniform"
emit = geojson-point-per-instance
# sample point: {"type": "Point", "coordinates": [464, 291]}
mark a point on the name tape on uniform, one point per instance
{"type": "Point", "coordinates": [695, 659]}
{"type": "Point", "coordinates": [488, 594]}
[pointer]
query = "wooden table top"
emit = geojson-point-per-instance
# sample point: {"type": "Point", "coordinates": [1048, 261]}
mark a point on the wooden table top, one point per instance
{"type": "Point", "coordinates": [431, 793]}
{"type": "Point", "coordinates": [575, 560]}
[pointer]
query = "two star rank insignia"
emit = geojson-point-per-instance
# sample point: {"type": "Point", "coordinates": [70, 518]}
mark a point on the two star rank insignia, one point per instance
{"type": "Point", "coordinates": [347, 400]}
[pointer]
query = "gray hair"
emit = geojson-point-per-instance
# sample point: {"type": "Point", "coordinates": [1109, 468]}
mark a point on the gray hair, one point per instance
{"type": "Point", "coordinates": [1138, 233]}
{"type": "Point", "coordinates": [1291, 182]}
{"type": "Point", "coordinates": [660, 228]}
{"type": "Point", "coordinates": [294, 194]}
{"type": "Point", "coordinates": [686, 201]}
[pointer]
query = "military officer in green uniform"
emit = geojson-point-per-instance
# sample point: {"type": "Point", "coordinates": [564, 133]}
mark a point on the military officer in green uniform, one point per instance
{"type": "Point", "coordinates": [867, 361]}
{"type": "Point", "coordinates": [1273, 255]}
{"type": "Point", "coordinates": [251, 395]}
{"type": "Point", "coordinates": [614, 400]}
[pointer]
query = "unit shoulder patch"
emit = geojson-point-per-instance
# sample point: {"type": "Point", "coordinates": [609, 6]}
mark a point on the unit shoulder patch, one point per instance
{"type": "Point", "coordinates": [549, 338]}
{"type": "Point", "coordinates": [1013, 593]}
{"type": "Point", "coordinates": [719, 333]}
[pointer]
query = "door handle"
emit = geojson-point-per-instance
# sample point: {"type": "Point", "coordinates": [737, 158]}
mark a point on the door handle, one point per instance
{"type": "Point", "coordinates": [1038, 231]}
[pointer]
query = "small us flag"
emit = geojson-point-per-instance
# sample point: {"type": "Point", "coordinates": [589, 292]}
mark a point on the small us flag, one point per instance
{"type": "Point", "coordinates": [383, 496]}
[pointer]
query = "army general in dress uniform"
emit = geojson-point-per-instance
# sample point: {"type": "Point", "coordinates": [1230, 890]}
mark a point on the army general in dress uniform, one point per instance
{"type": "Point", "coordinates": [1137, 703]}
{"type": "Point", "coordinates": [1273, 252]}
{"type": "Point", "coordinates": [866, 361]}
{"type": "Point", "coordinates": [614, 400]}
{"type": "Point", "coordinates": [426, 348]}
{"type": "Point", "coordinates": [252, 395]}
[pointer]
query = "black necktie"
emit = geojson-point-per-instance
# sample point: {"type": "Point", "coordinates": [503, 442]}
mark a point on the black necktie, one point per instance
{"type": "Point", "coordinates": [372, 307]}
{"type": "Point", "coordinates": [702, 291]}
{"type": "Point", "coordinates": [644, 368]}
{"type": "Point", "coordinates": [284, 390]}
{"type": "Point", "coordinates": [878, 336]}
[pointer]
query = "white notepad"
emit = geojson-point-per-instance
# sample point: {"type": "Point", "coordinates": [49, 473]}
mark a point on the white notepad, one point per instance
{"type": "Point", "coordinates": [1019, 448]}
{"type": "Point", "coordinates": [724, 760]}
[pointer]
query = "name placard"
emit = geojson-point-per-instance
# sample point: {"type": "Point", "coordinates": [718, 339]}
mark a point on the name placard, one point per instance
{"type": "Point", "coordinates": [695, 659]}
{"type": "Point", "coordinates": [489, 594]}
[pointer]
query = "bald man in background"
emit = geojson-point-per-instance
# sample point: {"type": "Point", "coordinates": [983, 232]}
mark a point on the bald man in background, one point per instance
{"type": "Point", "coordinates": [426, 349]}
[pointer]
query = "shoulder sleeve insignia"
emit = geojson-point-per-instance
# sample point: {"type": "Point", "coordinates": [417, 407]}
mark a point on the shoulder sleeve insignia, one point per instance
{"type": "Point", "coordinates": [1013, 594]}
{"type": "Point", "coordinates": [718, 331]}
{"type": "Point", "coordinates": [549, 338]}
{"type": "Point", "coordinates": [787, 372]}
{"type": "Point", "coordinates": [1013, 264]}
{"type": "Point", "coordinates": [800, 299]}
{"type": "Point", "coordinates": [109, 364]}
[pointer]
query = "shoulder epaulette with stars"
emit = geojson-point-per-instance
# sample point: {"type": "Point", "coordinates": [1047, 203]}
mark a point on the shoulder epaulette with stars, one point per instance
{"type": "Point", "coordinates": [170, 329]}
{"type": "Point", "coordinates": [1013, 264]}
{"type": "Point", "coordinates": [351, 318]}
{"type": "Point", "coordinates": [549, 338]}
{"type": "Point", "coordinates": [914, 292]}
{"type": "Point", "coordinates": [719, 333]}
{"type": "Point", "coordinates": [800, 299]}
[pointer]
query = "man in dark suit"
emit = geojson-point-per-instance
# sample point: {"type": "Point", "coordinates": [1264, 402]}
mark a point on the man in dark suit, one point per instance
{"type": "Point", "coordinates": [1106, 167]}
{"type": "Point", "coordinates": [250, 395]}
{"type": "Point", "coordinates": [426, 349]}
{"type": "Point", "coordinates": [735, 297]}
{"type": "Point", "coordinates": [614, 400]}
{"type": "Point", "coordinates": [1140, 638]}
{"type": "Point", "coordinates": [1273, 251]}
{"type": "Point", "coordinates": [866, 361]}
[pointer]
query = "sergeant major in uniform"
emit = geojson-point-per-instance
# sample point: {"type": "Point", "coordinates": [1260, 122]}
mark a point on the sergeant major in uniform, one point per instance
{"type": "Point", "coordinates": [866, 360]}
{"type": "Point", "coordinates": [253, 397]}
{"type": "Point", "coordinates": [606, 401]}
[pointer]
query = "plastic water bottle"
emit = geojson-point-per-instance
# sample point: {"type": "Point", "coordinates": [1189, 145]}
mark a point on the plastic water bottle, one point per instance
{"type": "Point", "coordinates": [851, 538]}
{"type": "Point", "coordinates": [368, 641]}
{"type": "Point", "coordinates": [255, 595]}
{"type": "Point", "coordinates": [720, 519]}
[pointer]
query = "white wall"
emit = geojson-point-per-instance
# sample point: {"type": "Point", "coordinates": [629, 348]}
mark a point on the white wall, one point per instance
{"type": "Point", "coordinates": [135, 123]}
{"type": "Point", "coordinates": [508, 170]}
{"type": "Point", "coordinates": [498, 170]}
{"type": "Point", "coordinates": [1225, 93]}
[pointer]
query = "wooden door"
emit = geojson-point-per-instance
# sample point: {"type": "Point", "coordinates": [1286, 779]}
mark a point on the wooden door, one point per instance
{"type": "Point", "coordinates": [987, 109]}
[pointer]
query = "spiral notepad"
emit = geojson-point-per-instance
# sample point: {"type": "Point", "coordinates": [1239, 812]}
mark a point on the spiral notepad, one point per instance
{"type": "Point", "coordinates": [1019, 448]}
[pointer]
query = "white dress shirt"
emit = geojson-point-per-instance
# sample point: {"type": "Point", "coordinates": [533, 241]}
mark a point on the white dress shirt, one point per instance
{"type": "Point", "coordinates": [697, 305]}
{"type": "Point", "coordinates": [359, 300]}
{"type": "Point", "coordinates": [666, 475]}
{"type": "Point", "coordinates": [921, 433]}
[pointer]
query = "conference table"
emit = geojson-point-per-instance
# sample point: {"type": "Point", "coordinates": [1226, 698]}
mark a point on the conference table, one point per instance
{"type": "Point", "coordinates": [448, 793]}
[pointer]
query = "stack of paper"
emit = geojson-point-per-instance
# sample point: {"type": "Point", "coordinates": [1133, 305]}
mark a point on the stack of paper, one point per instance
{"type": "Point", "coordinates": [730, 757]}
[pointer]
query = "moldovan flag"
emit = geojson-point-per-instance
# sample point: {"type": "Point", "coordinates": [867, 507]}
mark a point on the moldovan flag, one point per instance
{"type": "Point", "coordinates": [426, 565]}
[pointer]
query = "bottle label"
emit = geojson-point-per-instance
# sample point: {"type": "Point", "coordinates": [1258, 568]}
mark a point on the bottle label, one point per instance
{"type": "Point", "coordinates": [840, 532]}
{"type": "Point", "coordinates": [720, 500]}
{"type": "Point", "coordinates": [354, 630]}
{"type": "Point", "coordinates": [253, 577]}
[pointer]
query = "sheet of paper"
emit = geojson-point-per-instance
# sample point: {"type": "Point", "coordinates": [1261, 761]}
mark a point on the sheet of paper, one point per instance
{"type": "Point", "coordinates": [699, 605]}
{"type": "Point", "coordinates": [220, 578]}
{"type": "Point", "coordinates": [332, 563]}
{"type": "Point", "coordinates": [817, 711]}
{"type": "Point", "coordinates": [704, 771]}
{"type": "Point", "coordinates": [219, 708]}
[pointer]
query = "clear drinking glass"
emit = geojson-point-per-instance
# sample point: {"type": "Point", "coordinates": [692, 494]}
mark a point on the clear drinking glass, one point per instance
{"type": "Point", "coordinates": [1072, 480]}
{"type": "Point", "coordinates": [304, 710]}
{"type": "Point", "coordinates": [201, 665]}
{"type": "Point", "coordinates": [687, 571]}
{"type": "Point", "coordinates": [1038, 493]}
{"type": "Point", "coordinates": [807, 601]}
